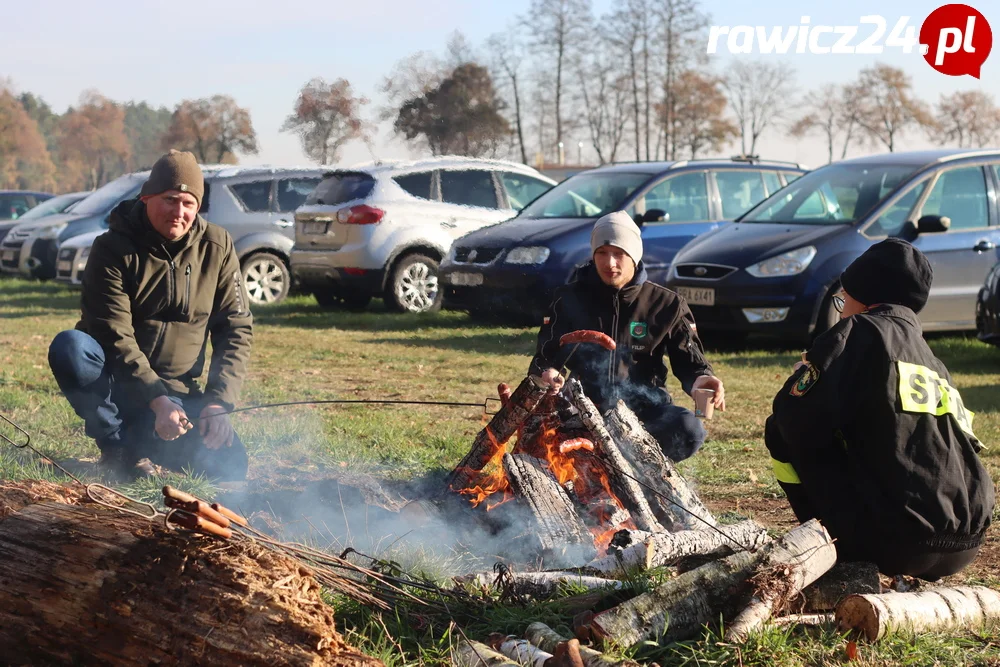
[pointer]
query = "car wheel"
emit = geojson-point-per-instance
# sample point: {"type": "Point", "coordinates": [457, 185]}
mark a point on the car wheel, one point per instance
{"type": "Point", "coordinates": [413, 286]}
{"type": "Point", "coordinates": [266, 278]}
{"type": "Point", "coordinates": [828, 315]}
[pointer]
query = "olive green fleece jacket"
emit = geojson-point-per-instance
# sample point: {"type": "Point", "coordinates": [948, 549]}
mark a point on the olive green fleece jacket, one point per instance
{"type": "Point", "coordinates": [153, 304]}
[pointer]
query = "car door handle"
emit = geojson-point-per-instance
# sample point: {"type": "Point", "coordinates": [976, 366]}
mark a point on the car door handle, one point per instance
{"type": "Point", "coordinates": [984, 245]}
{"type": "Point", "coordinates": [450, 224]}
{"type": "Point", "coordinates": [283, 223]}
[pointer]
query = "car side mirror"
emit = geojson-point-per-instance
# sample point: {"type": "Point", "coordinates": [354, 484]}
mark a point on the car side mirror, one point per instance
{"type": "Point", "coordinates": [933, 224]}
{"type": "Point", "coordinates": [656, 215]}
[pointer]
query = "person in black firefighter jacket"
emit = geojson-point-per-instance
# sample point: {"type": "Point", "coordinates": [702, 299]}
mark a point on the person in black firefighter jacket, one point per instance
{"type": "Point", "coordinates": [648, 323]}
{"type": "Point", "coordinates": [870, 436]}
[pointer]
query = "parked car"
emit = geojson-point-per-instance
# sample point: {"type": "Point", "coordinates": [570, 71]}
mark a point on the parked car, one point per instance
{"type": "Point", "coordinates": [381, 230]}
{"type": "Point", "coordinates": [51, 206]}
{"type": "Point", "coordinates": [988, 308]}
{"type": "Point", "coordinates": [514, 267]}
{"type": "Point", "coordinates": [15, 203]}
{"type": "Point", "coordinates": [255, 205]}
{"type": "Point", "coordinates": [776, 270]}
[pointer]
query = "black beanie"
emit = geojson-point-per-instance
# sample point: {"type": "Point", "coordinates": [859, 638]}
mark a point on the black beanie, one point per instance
{"type": "Point", "coordinates": [892, 271]}
{"type": "Point", "coordinates": [175, 171]}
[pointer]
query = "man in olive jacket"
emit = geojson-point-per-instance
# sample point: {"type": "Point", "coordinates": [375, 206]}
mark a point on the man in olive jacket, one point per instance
{"type": "Point", "coordinates": [157, 286]}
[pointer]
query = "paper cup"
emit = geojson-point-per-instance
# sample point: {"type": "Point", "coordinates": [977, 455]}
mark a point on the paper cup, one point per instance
{"type": "Point", "coordinates": [704, 406]}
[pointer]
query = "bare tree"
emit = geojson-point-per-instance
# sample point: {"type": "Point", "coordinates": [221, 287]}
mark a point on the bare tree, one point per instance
{"type": "Point", "coordinates": [967, 119]}
{"type": "Point", "coordinates": [214, 129]}
{"type": "Point", "coordinates": [507, 58]}
{"type": "Point", "coordinates": [558, 28]}
{"type": "Point", "coordinates": [679, 27]}
{"type": "Point", "coordinates": [629, 31]}
{"type": "Point", "coordinates": [700, 114]}
{"type": "Point", "coordinates": [830, 114]}
{"type": "Point", "coordinates": [326, 116]}
{"type": "Point", "coordinates": [759, 93]}
{"type": "Point", "coordinates": [884, 105]}
{"type": "Point", "coordinates": [604, 90]}
{"type": "Point", "coordinates": [92, 140]}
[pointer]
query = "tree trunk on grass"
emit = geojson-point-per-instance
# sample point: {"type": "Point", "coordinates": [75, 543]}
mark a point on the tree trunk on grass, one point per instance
{"type": "Point", "coordinates": [541, 584]}
{"type": "Point", "coordinates": [548, 639]}
{"type": "Point", "coordinates": [82, 584]}
{"type": "Point", "coordinates": [938, 609]}
{"type": "Point", "coordinates": [674, 502]}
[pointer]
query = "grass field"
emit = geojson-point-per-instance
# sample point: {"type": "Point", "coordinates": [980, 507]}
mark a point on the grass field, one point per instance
{"type": "Point", "coordinates": [302, 352]}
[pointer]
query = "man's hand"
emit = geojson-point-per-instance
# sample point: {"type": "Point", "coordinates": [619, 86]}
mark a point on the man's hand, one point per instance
{"type": "Point", "coordinates": [215, 428]}
{"type": "Point", "coordinates": [171, 420]}
{"type": "Point", "coordinates": [715, 384]}
{"type": "Point", "coordinates": [800, 364]}
{"type": "Point", "coordinates": [553, 379]}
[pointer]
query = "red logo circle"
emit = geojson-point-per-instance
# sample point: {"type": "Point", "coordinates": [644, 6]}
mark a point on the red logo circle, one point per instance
{"type": "Point", "coordinates": [956, 40]}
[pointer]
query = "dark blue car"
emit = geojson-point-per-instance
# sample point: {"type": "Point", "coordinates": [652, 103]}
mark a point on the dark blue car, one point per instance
{"type": "Point", "coordinates": [775, 270]}
{"type": "Point", "coordinates": [512, 268]}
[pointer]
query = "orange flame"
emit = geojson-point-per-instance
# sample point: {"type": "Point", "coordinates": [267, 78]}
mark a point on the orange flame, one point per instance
{"type": "Point", "coordinates": [491, 482]}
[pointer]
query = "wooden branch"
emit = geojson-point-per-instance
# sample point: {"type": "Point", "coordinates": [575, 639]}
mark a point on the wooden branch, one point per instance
{"type": "Point", "coordinates": [548, 639]}
{"type": "Point", "coordinates": [559, 526]}
{"type": "Point", "coordinates": [475, 654]}
{"type": "Point", "coordinates": [491, 440]}
{"type": "Point", "coordinates": [521, 651]}
{"type": "Point", "coordinates": [621, 475]}
{"type": "Point", "coordinates": [674, 502]}
{"type": "Point", "coordinates": [938, 609]}
{"type": "Point", "coordinates": [540, 584]}
{"type": "Point", "coordinates": [84, 584]}
{"type": "Point", "coordinates": [796, 560]}
{"type": "Point", "coordinates": [659, 549]}
{"type": "Point", "coordinates": [842, 580]}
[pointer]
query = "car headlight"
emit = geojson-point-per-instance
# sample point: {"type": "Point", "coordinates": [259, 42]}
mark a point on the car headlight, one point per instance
{"type": "Point", "coordinates": [51, 233]}
{"type": "Point", "coordinates": [790, 263]}
{"type": "Point", "coordinates": [85, 253]}
{"type": "Point", "coordinates": [528, 255]}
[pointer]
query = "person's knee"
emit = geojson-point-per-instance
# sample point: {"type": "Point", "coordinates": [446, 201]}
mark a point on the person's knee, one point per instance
{"type": "Point", "coordinates": [75, 355]}
{"type": "Point", "coordinates": [679, 432]}
{"type": "Point", "coordinates": [690, 435]}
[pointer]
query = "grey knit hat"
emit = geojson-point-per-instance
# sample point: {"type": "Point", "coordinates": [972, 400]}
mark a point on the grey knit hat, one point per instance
{"type": "Point", "coordinates": [176, 170]}
{"type": "Point", "coordinates": [618, 229]}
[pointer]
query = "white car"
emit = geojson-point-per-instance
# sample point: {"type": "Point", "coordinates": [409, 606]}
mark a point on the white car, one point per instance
{"type": "Point", "coordinates": [381, 229]}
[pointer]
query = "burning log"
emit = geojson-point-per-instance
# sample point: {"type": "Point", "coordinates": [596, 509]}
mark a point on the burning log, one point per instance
{"type": "Point", "coordinates": [538, 584]}
{"type": "Point", "coordinates": [658, 549]}
{"type": "Point", "coordinates": [798, 559]}
{"type": "Point", "coordinates": [677, 609]}
{"type": "Point", "coordinates": [489, 444]}
{"type": "Point", "coordinates": [558, 524]}
{"type": "Point", "coordinates": [474, 654]}
{"type": "Point", "coordinates": [90, 585]}
{"type": "Point", "coordinates": [938, 609]}
{"type": "Point", "coordinates": [621, 475]}
{"type": "Point", "coordinates": [674, 503]}
{"type": "Point", "coordinates": [549, 640]}
{"type": "Point", "coordinates": [842, 580]}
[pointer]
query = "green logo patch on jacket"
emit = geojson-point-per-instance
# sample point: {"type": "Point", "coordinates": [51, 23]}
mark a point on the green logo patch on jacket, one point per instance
{"type": "Point", "coordinates": [637, 329]}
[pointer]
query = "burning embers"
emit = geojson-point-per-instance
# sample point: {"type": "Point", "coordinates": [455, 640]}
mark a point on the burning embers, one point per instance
{"type": "Point", "coordinates": [584, 477]}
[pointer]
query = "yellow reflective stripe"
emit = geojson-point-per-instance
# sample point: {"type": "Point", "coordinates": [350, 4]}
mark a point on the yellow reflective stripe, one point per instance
{"type": "Point", "coordinates": [924, 391]}
{"type": "Point", "coordinates": [785, 472]}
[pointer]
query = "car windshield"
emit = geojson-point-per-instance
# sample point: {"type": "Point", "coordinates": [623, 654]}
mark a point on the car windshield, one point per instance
{"type": "Point", "coordinates": [106, 197]}
{"type": "Point", "coordinates": [341, 187]}
{"type": "Point", "coordinates": [50, 207]}
{"type": "Point", "coordinates": [586, 195]}
{"type": "Point", "coordinates": [838, 194]}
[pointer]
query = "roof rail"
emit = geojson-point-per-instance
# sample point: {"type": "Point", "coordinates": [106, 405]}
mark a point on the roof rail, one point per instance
{"type": "Point", "coordinates": [958, 156]}
{"type": "Point", "coordinates": [750, 159]}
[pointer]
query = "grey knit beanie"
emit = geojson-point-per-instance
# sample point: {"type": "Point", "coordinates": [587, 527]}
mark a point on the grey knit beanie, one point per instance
{"type": "Point", "coordinates": [618, 229]}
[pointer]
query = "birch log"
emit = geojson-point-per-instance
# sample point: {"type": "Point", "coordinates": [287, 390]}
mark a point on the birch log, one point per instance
{"type": "Point", "coordinates": [796, 560]}
{"type": "Point", "coordinates": [659, 549]}
{"type": "Point", "coordinates": [937, 609]}
{"type": "Point", "coordinates": [475, 654]}
{"type": "Point", "coordinates": [621, 475]}
{"type": "Point", "coordinates": [673, 501]}
{"type": "Point", "coordinates": [548, 639]}
{"type": "Point", "coordinates": [521, 651]}
{"type": "Point", "coordinates": [540, 584]}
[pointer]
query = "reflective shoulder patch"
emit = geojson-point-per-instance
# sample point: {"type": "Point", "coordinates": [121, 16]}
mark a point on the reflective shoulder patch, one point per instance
{"type": "Point", "coordinates": [922, 390]}
{"type": "Point", "coordinates": [809, 376]}
{"type": "Point", "coordinates": [546, 320]}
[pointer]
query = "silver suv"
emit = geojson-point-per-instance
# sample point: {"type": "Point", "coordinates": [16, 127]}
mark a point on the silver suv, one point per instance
{"type": "Point", "coordinates": [381, 230]}
{"type": "Point", "coordinates": [255, 205]}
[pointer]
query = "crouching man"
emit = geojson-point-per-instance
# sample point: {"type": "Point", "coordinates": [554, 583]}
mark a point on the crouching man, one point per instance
{"type": "Point", "coordinates": [870, 436]}
{"type": "Point", "coordinates": [157, 286]}
{"type": "Point", "coordinates": [649, 325]}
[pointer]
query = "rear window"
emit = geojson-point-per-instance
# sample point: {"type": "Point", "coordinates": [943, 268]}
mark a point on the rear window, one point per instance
{"type": "Point", "coordinates": [341, 187]}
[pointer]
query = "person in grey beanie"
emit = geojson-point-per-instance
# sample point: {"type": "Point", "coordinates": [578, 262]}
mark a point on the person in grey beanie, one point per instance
{"type": "Point", "coordinates": [650, 326]}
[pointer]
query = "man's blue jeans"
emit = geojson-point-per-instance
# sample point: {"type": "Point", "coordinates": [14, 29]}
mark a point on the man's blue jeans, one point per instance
{"type": "Point", "coordinates": [114, 418]}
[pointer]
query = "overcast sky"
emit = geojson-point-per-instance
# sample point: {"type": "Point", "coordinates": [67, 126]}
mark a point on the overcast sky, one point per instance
{"type": "Point", "coordinates": [262, 52]}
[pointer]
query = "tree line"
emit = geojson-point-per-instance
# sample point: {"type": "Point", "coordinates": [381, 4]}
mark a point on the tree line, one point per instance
{"type": "Point", "coordinates": [634, 83]}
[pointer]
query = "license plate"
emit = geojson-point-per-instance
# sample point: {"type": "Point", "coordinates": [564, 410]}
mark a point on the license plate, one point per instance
{"type": "Point", "coordinates": [64, 265]}
{"type": "Point", "coordinates": [467, 279]}
{"type": "Point", "coordinates": [314, 228]}
{"type": "Point", "coordinates": [8, 255]}
{"type": "Point", "coordinates": [698, 296]}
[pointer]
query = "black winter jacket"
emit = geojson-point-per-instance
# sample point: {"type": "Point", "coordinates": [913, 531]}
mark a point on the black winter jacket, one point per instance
{"type": "Point", "coordinates": [648, 323]}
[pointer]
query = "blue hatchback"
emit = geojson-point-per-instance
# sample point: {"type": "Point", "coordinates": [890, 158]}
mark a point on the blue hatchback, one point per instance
{"type": "Point", "coordinates": [513, 268]}
{"type": "Point", "coordinates": [776, 269]}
